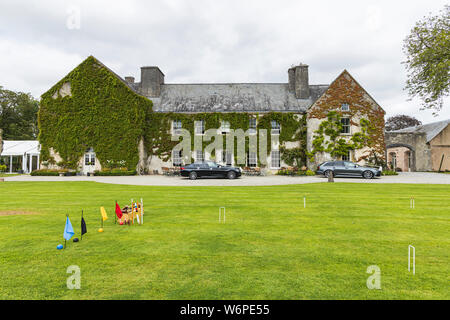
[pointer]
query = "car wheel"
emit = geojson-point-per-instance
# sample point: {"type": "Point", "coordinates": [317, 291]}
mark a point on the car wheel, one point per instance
{"type": "Point", "coordinates": [368, 174]}
{"type": "Point", "coordinates": [231, 175]}
{"type": "Point", "coordinates": [193, 175]}
{"type": "Point", "coordinates": [327, 173]}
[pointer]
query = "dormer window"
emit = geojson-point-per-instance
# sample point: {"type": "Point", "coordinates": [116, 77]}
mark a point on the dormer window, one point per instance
{"type": "Point", "coordinates": [345, 107]}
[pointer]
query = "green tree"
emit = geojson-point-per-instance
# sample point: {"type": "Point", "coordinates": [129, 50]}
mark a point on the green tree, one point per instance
{"type": "Point", "coordinates": [401, 121]}
{"type": "Point", "coordinates": [18, 115]}
{"type": "Point", "coordinates": [427, 50]}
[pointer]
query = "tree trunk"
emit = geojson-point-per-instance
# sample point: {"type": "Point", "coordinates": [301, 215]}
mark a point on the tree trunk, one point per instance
{"type": "Point", "coordinates": [331, 177]}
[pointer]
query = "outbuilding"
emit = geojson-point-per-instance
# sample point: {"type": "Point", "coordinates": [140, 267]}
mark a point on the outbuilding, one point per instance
{"type": "Point", "coordinates": [20, 156]}
{"type": "Point", "coordinates": [420, 148]}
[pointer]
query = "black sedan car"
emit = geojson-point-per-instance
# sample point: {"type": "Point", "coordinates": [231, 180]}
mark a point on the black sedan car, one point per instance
{"type": "Point", "coordinates": [209, 169]}
{"type": "Point", "coordinates": [347, 169]}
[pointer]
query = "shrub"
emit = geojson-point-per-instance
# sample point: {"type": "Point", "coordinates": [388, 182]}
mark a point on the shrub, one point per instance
{"type": "Point", "coordinates": [283, 172]}
{"type": "Point", "coordinates": [389, 173]}
{"type": "Point", "coordinates": [2, 168]}
{"type": "Point", "coordinates": [45, 172]}
{"type": "Point", "coordinates": [115, 172]}
{"type": "Point", "coordinates": [287, 172]}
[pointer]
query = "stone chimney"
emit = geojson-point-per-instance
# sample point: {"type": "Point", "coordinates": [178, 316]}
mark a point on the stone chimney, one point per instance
{"type": "Point", "coordinates": [151, 80]}
{"type": "Point", "coordinates": [129, 79]}
{"type": "Point", "coordinates": [299, 81]}
{"type": "Point", "coordinates": [291, 75]}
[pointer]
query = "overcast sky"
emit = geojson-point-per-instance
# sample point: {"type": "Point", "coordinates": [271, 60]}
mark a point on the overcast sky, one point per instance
{"type": "Point", "coordinates": [215, 41]}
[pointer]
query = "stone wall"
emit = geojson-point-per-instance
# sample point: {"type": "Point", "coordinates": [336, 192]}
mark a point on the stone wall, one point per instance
{"type": "Point", "coordinates": [417, 143]}
{"type": "Point", "coordinates": [345, 90]}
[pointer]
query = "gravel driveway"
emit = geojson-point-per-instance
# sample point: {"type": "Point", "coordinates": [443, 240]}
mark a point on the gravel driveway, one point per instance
{"type": "Point", "coordinates": [409, 177]}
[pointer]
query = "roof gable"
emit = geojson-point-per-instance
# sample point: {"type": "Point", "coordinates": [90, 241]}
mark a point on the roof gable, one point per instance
{"type": "Point", "coordinates": [347, 80]}
{"type": "Point", "coordinates": [89, 60]}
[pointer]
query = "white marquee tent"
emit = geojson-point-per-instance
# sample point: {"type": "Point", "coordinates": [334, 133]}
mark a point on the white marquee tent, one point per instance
{"type": "Point", "coordinates": [21, 156]}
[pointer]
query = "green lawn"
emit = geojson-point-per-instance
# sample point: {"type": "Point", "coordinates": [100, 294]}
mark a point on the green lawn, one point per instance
{"type": "Point", "coordinates": [269, 248]}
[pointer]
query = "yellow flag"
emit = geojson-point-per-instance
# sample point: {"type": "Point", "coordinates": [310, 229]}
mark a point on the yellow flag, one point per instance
{"type": "Point", "coordinates": [104, 215]}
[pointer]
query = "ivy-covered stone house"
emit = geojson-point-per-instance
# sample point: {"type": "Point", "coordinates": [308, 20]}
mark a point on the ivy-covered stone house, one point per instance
{"type": "Point", "coordinates": [93, 119]}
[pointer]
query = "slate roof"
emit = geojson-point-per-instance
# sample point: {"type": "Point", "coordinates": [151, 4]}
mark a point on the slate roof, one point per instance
{"type": "Point", "coordinates": [227, 97]}
{"type": "Point", "coordinates": [233, 97]}
{"type": "Point", "coordinates": [431, 129]}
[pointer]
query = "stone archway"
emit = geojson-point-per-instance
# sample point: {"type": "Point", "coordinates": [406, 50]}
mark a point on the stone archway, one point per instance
{"type": "Point", "coordinates": [410, 153]}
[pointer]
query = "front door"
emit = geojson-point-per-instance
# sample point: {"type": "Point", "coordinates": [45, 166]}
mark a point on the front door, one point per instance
{"type": "Point", "coordinates": [89, 162]}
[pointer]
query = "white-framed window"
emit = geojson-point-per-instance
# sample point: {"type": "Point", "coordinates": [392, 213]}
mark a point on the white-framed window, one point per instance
{"type": "Point", "coordinates": [227, 158]}
{"type": "Point", "coordinates": [177, 158]}
{"type": "Point", "coordinates": [225, 127]}
{"type": "Point", "coordinates": [199, 127]}
{"type": "Point", "coordinates": [346, 157]}
{"type": "Point", "coordinates": [276, 128]}
{"type": "Point", "coordinates": [252, 125]}
{"type": "Point", "coordinates": [199, 156]}
{"type": "Point", "coordinates": [176, 126]}
{"type": "Point", "coordinates": [251, 159]}
{"type": "Point", "coordinates": [89, 157]}
{"type": "Point", "coordinates": [345, 107]}
{"type": "Point", "coordinates": [275, 159]}
{"type": "Point", "coordinates": [345, 125]}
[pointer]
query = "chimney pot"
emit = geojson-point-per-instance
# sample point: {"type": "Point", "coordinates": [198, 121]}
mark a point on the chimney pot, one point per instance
{"type": "Point", "coordinates": [129, 79]}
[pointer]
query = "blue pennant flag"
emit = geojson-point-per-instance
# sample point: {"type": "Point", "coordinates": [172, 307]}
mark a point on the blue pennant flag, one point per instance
{"type": "Point", "coordinates": [68, 230]}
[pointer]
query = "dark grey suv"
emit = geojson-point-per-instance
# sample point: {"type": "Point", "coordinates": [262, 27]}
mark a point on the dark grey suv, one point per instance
{"type": "Point", "coordinates": [347, 169]}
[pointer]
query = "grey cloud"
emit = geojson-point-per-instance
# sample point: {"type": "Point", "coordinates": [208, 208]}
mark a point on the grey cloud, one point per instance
{"type": "Point", "coordinates": [215, 41]}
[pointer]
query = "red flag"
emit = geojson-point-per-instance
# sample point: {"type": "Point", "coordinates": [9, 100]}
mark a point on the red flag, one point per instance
{"type": "Point", "coordinates": [118, 211]}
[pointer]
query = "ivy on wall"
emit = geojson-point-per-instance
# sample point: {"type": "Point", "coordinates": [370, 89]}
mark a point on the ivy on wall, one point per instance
{"type": "Point", "coordinates": [345, 89]}
{"type": "Point", "coordinates": [336, 145]}
{"type": "Point", "coordinates": [92, 107]}
{"type": "Point", "coordinates": [158, 139]}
